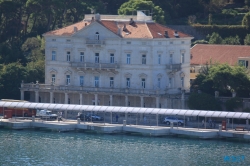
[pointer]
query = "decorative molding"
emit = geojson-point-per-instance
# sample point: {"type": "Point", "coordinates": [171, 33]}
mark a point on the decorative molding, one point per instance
{"type": "Point", "coordinates": [111, 50]}
{"type": "Point", "coordinates": [127, 51]}
{"type": "Point", "coordinates": [53, 71]}
{"type": "Point", "coordinates": [128, 75]}
{"type": "Point", "coordinates": [81, 49]}
{"type": "Point", "coordinates": [142, 75]}
{"type": "Point", "coordinates": [68, 72]}
{"type": "Point", "coordinates": [171, 51]}
{"type": "Point", "coordinates": [159, 75]}
{"type": "Point", "coordinates": [182, 74]}
{"type": "Point", "coordinates": [182, 51]}
{"type": "Point", "coordinates": [159, 52]}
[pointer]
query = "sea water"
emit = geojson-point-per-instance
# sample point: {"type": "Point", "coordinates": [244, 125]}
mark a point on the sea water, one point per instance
{"type": "Point", "coordinates": [31, 147]}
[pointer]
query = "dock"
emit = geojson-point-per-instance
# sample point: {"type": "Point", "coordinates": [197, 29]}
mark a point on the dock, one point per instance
{"type": "Point", "coordinates": [107, 128]}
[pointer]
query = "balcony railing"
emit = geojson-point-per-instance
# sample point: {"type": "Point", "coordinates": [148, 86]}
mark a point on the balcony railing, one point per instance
{"type": "Point", "coordinates": [173, 67]}
{"type": "Point", "coordinates": [96, 42]}
{"type": "Point", "coordinates": [62, 88]}
{"type": "Point", "coordinates": [90, 65]}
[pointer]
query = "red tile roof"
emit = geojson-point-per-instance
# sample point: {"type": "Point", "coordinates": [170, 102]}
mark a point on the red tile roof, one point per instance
{"type": "Point", "coordinates": [137, 30]}
{"type": "Point", "coordinates": [204, 53]}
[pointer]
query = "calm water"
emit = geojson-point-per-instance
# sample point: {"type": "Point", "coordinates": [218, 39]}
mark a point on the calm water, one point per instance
{"type": "Point", "coordinates": [27, 147]}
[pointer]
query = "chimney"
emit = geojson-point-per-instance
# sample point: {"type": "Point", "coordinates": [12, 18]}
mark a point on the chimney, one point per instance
{"type": "Point", "coordinates": [124, 27]}
{"type": "Point", "coordinates": [166, 34]}
{"type": "Point", "coordinates": [131, 22]}
{"type": "Point", "coordinates": [86, 24]}
{"type": "Point", "coordinates": [75, 29]}
{"type": "Point", "coordinates": [119, 31]}
{"type": "Point", "coordinates": [97, 17]}
{"type": "Point", "coordinates": [93, 19]}
{"type": "Point", "coordinates": [176, 34]}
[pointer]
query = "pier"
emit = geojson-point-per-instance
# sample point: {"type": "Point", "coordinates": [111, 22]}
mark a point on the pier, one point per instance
{"type": "Point", "coordinates": [107, 128]}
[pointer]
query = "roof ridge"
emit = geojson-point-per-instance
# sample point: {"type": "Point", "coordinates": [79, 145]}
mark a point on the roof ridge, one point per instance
{"type": "Point", "coordinates": [149, 30]}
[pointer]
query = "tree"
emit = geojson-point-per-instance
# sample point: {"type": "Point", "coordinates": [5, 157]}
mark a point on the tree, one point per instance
{"type": "Point", "coordinates": [11, 76]}
{"type": "Point", "coordinates": [203, 101]}
{"type": "Point", "coordinates": [225, 79]}
{"type": "Point", "coordinates": [215, 38]}
{"type": "Point", "coordinates": [247, 39]}
{"type": "Point", "coordinates": [246, 20]}
{"type": "Point", "coordinates": [132, 6]}
{"type": "Point", "coordinates": [232, 40]}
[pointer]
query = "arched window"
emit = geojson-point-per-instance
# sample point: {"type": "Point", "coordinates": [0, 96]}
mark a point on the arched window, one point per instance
{"type": "Point", "coordinates": [97, 35]}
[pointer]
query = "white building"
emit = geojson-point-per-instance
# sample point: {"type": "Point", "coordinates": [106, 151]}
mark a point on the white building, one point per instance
{"type": "Point", "coordinates": [114, 60]}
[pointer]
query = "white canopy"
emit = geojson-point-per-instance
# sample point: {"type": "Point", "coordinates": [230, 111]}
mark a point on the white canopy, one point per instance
{"type": "Point", "coordinates": [163, 111]}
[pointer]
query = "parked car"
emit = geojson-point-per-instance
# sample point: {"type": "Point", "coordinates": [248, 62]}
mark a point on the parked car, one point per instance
{"type": "Point", "coordinates": [175, 120]}
{"type": "Point", "coordinates": [88, 117]}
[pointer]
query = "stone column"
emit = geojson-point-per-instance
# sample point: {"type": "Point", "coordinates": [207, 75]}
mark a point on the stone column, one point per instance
{"type": "Point", "coordinates": [142, 105]}
{"type": "Point", "coordinates": [126, 101]}
{"type": "Point", "coordinates": [51, 97]}
{"type": "Point", "coordinates": [157, 101]}
{"type": "Point", "coordinates": [96, 99]}
{"type": "Point", "coordinates": [36, 96]}
{"type": "Point", "coordinates": [66, 98]}
{"type": "Point", "coordinates": [142, 101]}
{"type": "Point", "coordinates": [111, 100]}
{"type": "Point", "coordinates": [80, 98]}
{"type": "Point", "coordinates": [157, 119]}
{"type": "Point", "coordinates": [183, 99]}
{"type": "Point", "coordinates": [22, 94]}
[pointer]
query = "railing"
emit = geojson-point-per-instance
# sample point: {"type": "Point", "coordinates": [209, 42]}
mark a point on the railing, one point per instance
{"type": "Point", "coordinates": [33, 87]}
{"type": "Point", "coordinates": [100, 66]}
{"type": "Point", "coordinates": [173, 67]}
{"type": "Point", "coordinates": [111, 17]}
{"type": "Point", "coordinates": [98, 42]}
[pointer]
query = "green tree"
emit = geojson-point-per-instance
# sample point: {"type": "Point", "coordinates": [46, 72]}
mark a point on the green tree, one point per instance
{"type": "Point", "coordinates": [215, 38]}
{"type": "Point", "coordinates": [232, 40]}
{"type": "Point", "coordinates": [11, 76]}
{"type": "Point", "coordinates": [203, 101]}
{"type": "Point", "coordinates": [246, 20]}
{"type": "Point", "coordinates": [225, 79]}
{"type": "Point", "coordinates": [233, 103]}
{"type": "Point", "coordinates": [247, 39]}
{"type": "Point", "coordinates": [132, 6]}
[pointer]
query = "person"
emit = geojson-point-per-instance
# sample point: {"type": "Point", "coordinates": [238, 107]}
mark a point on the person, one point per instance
{"type": "Point", "coordinates": [59, 116]}
{"type": "Point", "coordinates": [116, 118]}
{"type": "Point", "coordinates": [202, 122]}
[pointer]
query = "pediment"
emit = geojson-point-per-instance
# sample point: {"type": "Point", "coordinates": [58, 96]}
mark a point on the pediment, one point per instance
{"type": "Point", "coordinates": [53, 71]}
{"type": "Point", "coordinates": [68, 72]}
{"type": "Point", "coordinates": [128, 75]}
{"type": "Point", "coordinates": [93, 28]}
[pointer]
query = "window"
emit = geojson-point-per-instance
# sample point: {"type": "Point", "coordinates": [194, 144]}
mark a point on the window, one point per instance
{"type": "Point", "coordinates": [128, 58]}
{"type": "Point", "coordinates": [81, 80]}
{"type": "Point", "coordinates": [243, 63]}
{"type": "Point", "coordinates": [182, 42]}
{"type": "Point", "coordinates": [128, 42]}
{"type": "Point", "coordinates": [96, 81]}
{"type": "Point", "coordinates": [112, 58]}
{"type": "Point", "coordinates": [128, 82]}
{"type": "Point", "coordinates": [111, 82]}
{"type": "Point", "coordinates": [67, 79]}
{"type": "Point", "coordinates": [159, 82]}
{"type": "Point", "coordinates": [54, 100]}
{"type": "Point", "coordinates": [68, 56]}
{"type": "Point", "coordinates": [182, 81]}
{"type": "Point", "coordinates": [97, 36]}
{"type": "Point", "coordinates": [128, 103]}
{"type": "Point", "coordinates": [171, 42]}
{"type": "Point", "coordinates": [171, 59]}
{"type": "Point", "coordinates": [144, 59]}
{"type": "Point", "coordinates": [68, 100]}
{"type": "Point", "coordinates": [143, 82]}
{"type": "Point", "coordinates": [170, 82]}
{"type": "Point", "coordinates": [53, 78]}
{"type": "Point", "coordinates": [182, 57]}
{"type": "Point", "coordinates": [159, 59]}
{"type": "Point", "coordinates": [53, 39]}
{"type": "Point", "coordinates": [81, 56]}
{"type": "Point", "coordinates": [53, 55]}
{"type": "Point", "coordinates": [96, 57]}
{"type": "Point", "coordinates": [68, 40]}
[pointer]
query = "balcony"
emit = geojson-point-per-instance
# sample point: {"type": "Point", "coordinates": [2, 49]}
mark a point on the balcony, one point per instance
{"type": "Point", "coordinates": [91, 90]}
{"type": "Point", "coordinates": [173, 67]}
{"type": "Point", "coordinates": [96, 66]}
{"type": "Point", "coordinates": [95, 42]}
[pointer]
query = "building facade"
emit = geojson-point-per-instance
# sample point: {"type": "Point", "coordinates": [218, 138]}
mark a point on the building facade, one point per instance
{"type": "Point", "coordinates": [114, 60]}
